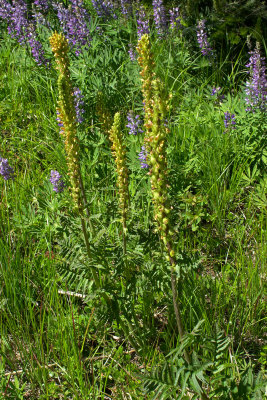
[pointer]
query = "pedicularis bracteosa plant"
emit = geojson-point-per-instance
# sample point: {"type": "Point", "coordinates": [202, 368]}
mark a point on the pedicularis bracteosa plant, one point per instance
{"type": "Point", "coordinates": [156, 108]}
{"type": "Point", "coordinates": [67, 114]}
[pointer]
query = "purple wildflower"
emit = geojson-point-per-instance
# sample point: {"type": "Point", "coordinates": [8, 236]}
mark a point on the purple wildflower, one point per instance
{"type": "Point", "coordinates": [202, 39]}
{"type": "Point", "coordinates": [143, 157]}
{"type": "Point", "coordinates": [79, 103]}
{"type": "Point", "coordinates": [74, 21]}
{"type": "Point", "coordinates": [22, 28]}
{"type": "Point", "coordinates": [159, 16]}
{"type": "Point", "coordinates": [40, 11]}
{"type": "Point", "coordinates": [256, 86]}
{"type": "Point", "coordinates": [229, 120]}
{"type": "Point", "coordinates": [17, 21]}
{"type": "Point", "coordinates": [175, 20]}
{"type": "Point", "coordinates": [126, 8]}
{"type": "Point", "coordinates": [104, 8]}
{"type": "Point", "coordinates": [36, 48]}
{"type": "Point", "coordinates": [134, 124]}
{"type": "Point", "coordinates": [142, 22]}
{"type": "Point", "coordinates": [5, 9]}
{"type": "Point", "coordinates": [57, 182]}
{"type": "Point", "coordinates": [42, 5]}
{"type": "Point", "coordinates": [132, 52]}
{"type": "Point", "coordinates": [6, 170]}
{"type": "Point", "coordinates": [215, 91]}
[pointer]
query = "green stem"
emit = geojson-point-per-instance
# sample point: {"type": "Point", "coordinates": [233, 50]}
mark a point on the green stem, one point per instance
{"type": "Point", "coordinates": [85, 234]}
{"type": "Point", "coordinates": [178, 317]}
{"type": "Point", "coordinates": [176, 307]}
{"type": "Point", "coordinates": [124, 232]}
{"type": "Point", "coordinates": [85, 203]}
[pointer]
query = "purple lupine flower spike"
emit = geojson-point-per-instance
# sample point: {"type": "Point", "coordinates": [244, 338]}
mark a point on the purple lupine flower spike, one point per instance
{"type": "Point", "coordinates": [42, 5]}
{"type": "Point", "coordinates": [202, 39]}
{"type": "Point", "coordinates": [215, 90]}
{"type": "Point", "coordinates": [126, 8]}
{"type": "Point", "coordinates": [74, 21]}
{"type": "Point", "coordinates": [132, 52]}
{"type": "Point", "coordinates": [79, 103]}
{"type": "Point", "coordinates": [57, 182]}
{"type": "Point", "coordinates": [6, 170]}
{"type": "Point", "coordinates": [134, 123]}
{"type": "Point", "coordinates": [175, 20]}
{"type": "Point", "coordinates": [216, 93]}
{"type": "Point", "coordinates": [229, 120]}
{"type": "Point", "coordinates": [142, 22]}
{"type": "Point", "coordinates": [159, 16]}
{"type": "Point", "coordinates": [256, 86]}
{"type": "Point", "coordinates": [143, 157]}
{"type": "Point", "coordinates": [5, 9]}
{"type": "Point", "coordinates": [104, 8]}
{"type": "Point", "coordinates": [21, 28]}
{"type": "Point", "coordinates": [40, 11]}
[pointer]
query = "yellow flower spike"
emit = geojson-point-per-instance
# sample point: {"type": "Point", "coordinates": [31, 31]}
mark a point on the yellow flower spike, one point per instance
{"type": "Point", "coordinates": [119, 153]}
{"type": "Point", "coordinates": [156, 107]}
{"type": "Point", "coordinates": [147, 73]}
{"type": "Point", "coordinates": [67, 114]}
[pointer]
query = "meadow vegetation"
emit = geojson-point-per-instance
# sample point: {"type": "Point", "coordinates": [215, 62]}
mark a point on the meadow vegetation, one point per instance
{"type": "Point", "coordinates": [133, 199]}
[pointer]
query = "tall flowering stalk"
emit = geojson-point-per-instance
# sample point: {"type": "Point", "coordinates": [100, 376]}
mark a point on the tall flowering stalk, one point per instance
{"type": "Point", "coordinates": [66, 113]}
{"type": "Point", "coordinates": [155, 141]}
{"type": "Point", "coordinates": [142, 21]}
{"type": "Point", "coordinates": [159, 17]}
{"type": "Point", "coordinates": [256, 86]}
{"type": "Point", "coordinates": [67, 118]}
{"type": "Point", "coordinates": [175, 19]}
{"type": "Point", "coordinates": [156, 108]}
{"type": "Point", "coordinates": [119, 153]}
{"type": "Point", "coordinates": [202, 39]}
{"type": "Point", "coordinates": [147, 73]}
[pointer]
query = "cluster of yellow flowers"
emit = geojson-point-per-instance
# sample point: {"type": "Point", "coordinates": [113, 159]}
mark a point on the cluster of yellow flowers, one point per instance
{"type": "Point", "coordinates": [67, 114]}
{"type": "Point", "coordinates": [156, 108]}
{"type": "Point", "coordinates": [147, 73]}
{"type": "Point", "coordinates": [119, 153]}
